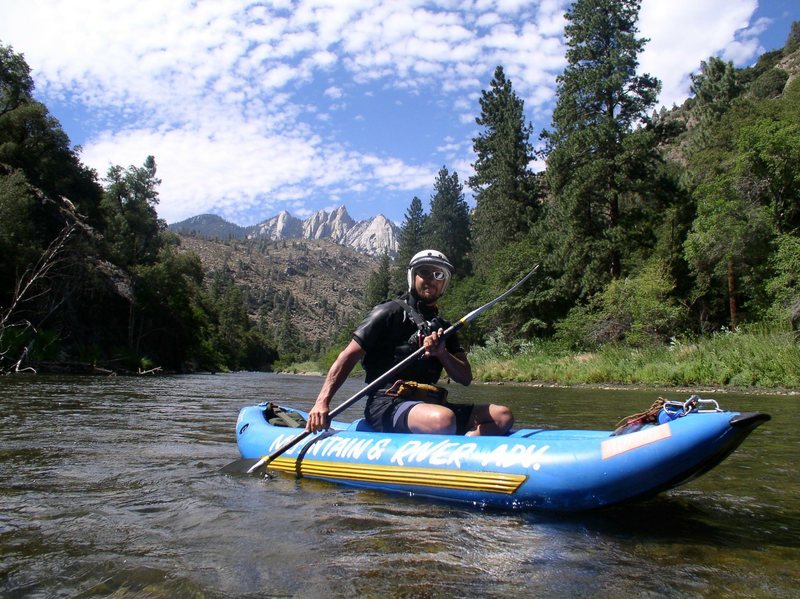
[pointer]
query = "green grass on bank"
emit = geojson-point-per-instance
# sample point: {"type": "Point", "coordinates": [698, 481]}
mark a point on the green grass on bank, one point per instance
{"type": "Point", "coordinates": [308, 367]}
{"type": "Point", "coordinates": [315, 367]}
{"type": "Point", "coordinates": [742, 360]}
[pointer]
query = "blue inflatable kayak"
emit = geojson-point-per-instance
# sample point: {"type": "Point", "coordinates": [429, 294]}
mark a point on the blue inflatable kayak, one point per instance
{"type": "Point", "coordinates": [561, 470]}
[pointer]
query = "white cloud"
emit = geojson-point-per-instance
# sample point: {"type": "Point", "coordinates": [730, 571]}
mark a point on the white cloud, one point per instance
{"type": "Point", "coordinates": [685, 32]}
{"type": "Point", "coordinates": [489, 19]}
{"type": "Point", "coordinates": [210, 88]}
{"type": "Point", "coordinates": [334, 92]}
{"type": "Point", "coordinates": [224, 94]}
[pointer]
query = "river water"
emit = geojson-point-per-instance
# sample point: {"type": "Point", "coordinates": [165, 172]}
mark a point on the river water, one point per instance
{"type": "Point", "coordinates": [110, 487]}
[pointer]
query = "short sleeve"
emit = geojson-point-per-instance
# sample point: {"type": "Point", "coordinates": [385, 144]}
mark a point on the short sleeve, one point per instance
{"type": "Point", "coordinates": [373, 329]}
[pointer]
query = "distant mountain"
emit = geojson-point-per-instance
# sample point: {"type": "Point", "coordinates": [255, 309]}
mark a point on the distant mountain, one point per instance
{"type": "Point", "coordinates": [372, 236]}
{"type": "Point", "coordinates": [282, 226]}
{"type": "Point", "coordinates": [209, 226]}
{"type": "Point", "coordinates": [333, 226]}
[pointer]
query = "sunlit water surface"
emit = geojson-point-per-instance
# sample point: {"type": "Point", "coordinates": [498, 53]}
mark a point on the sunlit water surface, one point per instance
{"type": "Point", "coordinates": [111, 487]}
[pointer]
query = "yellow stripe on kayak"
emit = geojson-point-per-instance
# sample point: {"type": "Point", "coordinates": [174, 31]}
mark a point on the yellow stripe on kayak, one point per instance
{"type": "Point", "coordinates": [464, 480]}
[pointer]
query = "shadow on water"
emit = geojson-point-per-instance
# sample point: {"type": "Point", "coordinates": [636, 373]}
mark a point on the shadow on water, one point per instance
{"type": "Point", "coordinates": [679, 518]}
{"type": "Point", "coordinates": [676, 517]}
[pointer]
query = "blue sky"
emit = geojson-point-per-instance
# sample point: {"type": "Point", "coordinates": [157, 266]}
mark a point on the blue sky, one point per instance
{"type": "Point", "coordinates": [251, 108]}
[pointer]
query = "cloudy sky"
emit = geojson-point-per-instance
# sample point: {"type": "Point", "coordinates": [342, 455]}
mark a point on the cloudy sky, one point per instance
{"type": "Point", "coordinates": [252, 107]}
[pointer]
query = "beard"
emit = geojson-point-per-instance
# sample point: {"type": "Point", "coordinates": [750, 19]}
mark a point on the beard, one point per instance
{"type": "Point", "coordinates": [427, 292]}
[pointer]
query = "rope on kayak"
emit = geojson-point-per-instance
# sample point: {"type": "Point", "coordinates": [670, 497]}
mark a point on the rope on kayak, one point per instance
{"type": "Point", "coordinates": [636, 421]}
{"type": "Point", "coordinates": [664, 410]}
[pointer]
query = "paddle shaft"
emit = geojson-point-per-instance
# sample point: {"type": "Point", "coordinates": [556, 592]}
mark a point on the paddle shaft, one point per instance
{"type": "Point", "coordinates": [266, 460]}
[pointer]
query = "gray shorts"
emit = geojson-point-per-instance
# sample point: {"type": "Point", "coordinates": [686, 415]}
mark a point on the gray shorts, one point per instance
{"type": "Point", "coordinates": [389, 414]}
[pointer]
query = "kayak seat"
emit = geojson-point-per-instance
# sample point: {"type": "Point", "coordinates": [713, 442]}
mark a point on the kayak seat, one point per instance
{"type": "Point", "coordinates": [361, 425]}
{"type": "Point", "coordinates": [279, 416]}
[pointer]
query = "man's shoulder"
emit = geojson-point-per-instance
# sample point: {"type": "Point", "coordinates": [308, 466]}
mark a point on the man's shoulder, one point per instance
{"type": "Point", "coordinates": [389, 305]}
{"type": "Point", "coordinates": [384, 311]}
{"type": "Point", "coordinates": [377, 326]}
{"type": "Point", "coordinates": [395, 304]}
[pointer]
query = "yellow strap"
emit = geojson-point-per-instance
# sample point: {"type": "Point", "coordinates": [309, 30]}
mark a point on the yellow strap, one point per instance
{"type": "Point", "coordinates": [421, 391]}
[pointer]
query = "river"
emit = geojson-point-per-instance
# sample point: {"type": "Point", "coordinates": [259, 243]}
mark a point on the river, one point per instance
{"type": "Point", "coordinates": [110, 487]}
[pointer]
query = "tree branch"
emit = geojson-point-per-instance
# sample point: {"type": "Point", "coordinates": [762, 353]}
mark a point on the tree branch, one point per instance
{"type": "Point", "coordinates": [24, 292]}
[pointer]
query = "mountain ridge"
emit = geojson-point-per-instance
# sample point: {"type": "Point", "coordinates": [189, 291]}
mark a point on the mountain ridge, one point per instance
{"type": "Point", "coordinates": [372, 236]}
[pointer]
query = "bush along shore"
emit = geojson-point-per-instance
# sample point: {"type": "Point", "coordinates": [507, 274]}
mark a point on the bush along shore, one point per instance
{"type": "Point", "coordinates": [746, 361]}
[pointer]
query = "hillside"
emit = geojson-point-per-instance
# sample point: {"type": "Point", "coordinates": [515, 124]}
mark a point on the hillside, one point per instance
{"type": "Point", "coordinates": [308, 288]}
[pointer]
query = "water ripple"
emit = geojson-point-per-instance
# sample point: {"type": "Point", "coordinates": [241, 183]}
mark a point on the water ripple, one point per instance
{"type": "Point", "coordinates": [111, 487]}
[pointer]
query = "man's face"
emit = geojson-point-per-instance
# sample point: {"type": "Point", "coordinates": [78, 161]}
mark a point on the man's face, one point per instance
{"type": "Point", "coordinates": [429, 283]}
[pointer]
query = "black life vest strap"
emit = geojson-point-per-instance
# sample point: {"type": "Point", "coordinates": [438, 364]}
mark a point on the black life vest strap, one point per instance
{"type": "Point", "coordinates": [418, 319]}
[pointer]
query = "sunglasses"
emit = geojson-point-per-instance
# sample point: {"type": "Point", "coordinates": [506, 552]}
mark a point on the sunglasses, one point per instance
{"type": "Point", "coordinates": [429, 273]}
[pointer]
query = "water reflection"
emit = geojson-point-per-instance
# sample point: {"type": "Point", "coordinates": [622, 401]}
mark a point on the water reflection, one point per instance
{"type": "Point", "coordinates": [111, 487]}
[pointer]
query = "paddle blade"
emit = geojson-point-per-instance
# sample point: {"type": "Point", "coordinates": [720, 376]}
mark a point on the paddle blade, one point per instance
{"type": "Point", "coordinates": [242, 466]}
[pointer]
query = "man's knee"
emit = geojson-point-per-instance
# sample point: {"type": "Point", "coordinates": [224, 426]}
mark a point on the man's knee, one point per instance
{"type": "Point", "coordinates": [444, 421]}
{"type": "Point", "coordinates": [425, 418]}
{"type": "Point", "coordinates": [502, 416]}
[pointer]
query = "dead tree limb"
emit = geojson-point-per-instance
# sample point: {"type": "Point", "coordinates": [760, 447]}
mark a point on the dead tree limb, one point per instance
{"type": "Point", "coordinates": [25, 291]}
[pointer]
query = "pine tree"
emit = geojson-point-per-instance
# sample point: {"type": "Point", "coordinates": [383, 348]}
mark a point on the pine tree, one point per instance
{"type": "Point", "coordinates": [715, 88]}
{"type": "Point", "coordinates": [379, 283]}
{"type": "Point", "coordinates": [793, 40]}
{"type": "Point", "coordinates": [130, 203]}
{"type": "Point", "coordinates": [601, 159]}
{"type": "Point", "coordinates": [447, 225]}
{"type": "Point", "coordinates": [16, 83]}
{"type": "Point", "coordinates": [411, 240]}
{"type": "Point", "coordinates": [504, 186]}
{"type": "Point", "coordinates": [729, 240]}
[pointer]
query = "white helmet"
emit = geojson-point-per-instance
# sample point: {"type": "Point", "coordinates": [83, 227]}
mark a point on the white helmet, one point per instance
{"type": "Point", "coordinates": [430, 258]}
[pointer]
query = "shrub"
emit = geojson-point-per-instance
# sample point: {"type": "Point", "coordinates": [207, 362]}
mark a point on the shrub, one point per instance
{"type": "Point", "coordinates": [638, 310]}
{"type": "Point", "coordinates": [770, 84]}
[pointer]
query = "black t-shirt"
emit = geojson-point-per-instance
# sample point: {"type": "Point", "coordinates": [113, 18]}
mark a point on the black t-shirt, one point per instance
{"type": "Point", "coordinates": [384, 335]}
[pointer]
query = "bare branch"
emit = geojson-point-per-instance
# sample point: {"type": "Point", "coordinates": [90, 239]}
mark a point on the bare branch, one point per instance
{"type": "Point", "coordinates": [24, 292]}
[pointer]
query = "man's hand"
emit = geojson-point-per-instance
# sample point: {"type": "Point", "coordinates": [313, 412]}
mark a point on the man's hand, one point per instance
{"type": "Point", "coordinates": [433, 344]}
{"type": "Point", "coordinates": [318, 419]}
{"type": "Point", "coordinates": [456, 365]}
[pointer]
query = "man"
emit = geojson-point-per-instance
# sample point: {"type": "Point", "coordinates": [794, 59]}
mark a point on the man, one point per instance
{"type": "Point", "coordinates": [392, 331]}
